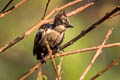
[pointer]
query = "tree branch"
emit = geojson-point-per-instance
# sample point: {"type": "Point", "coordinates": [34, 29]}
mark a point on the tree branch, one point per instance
{"type": "Point", "coordinates": [46, 9]}
{"type": "Point", "coordinates": [37, 65]}
{"type": "Point", "coordinates": [52, 60]}
{"type": "Point", "coordinates": [90, 28]}
{"type": "Point", "coordinates": [6, 6]}
{"type": "Point", "coordinates": [2, 14]}
{"type": "Point", "coordinates": [86, 49]}
{"type": "Point", "coordinates": [28, 32]}
{"type": "Point", "coordinates": [60, 8]}
{"type": "Point", "coordinates": [39, 74]}
{"type": "Point", "coordinates": [106, 69]}
{"type": "Point", "coordinates": [98, 52]}
{"type": "Point", "coordinates": [60, 67]}
{"type": "Point", "coordinates": [83, 33]}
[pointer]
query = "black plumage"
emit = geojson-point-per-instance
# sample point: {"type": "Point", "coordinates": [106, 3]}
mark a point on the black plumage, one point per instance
{"type": "Point", "coordinates": [52, 33]}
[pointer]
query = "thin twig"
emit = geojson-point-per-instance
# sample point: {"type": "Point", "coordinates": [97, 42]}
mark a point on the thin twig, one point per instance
{"type": "Point", "coordinates": [86, 49]}
{"type": "Point", "coordinates": [35, 27]}
{"type": "Point", "coordinates": [70, 13]}
{"type": "Point", "coordinates": [62, 7]}
{"type": "Point", "coordinates": [64, 54]}
{"type": "Point", "coordinates": [11, 43]}
{"type": "Point", "coordinates": [39, 75]}
{"type": "Point", "coordinates": [36, 66]}
{"type": "Point", "coordinates": [12, 8]}
{"type": "Point", "coordinates": [118, 14]}
{"type": "Point", "coordinates": [46, 9]}
{"type": "Point", "coordinates": [90, 28]}
{"type": "Point", "coordinates": [60, 67]}
{"type": "Point", "coordinates": [98, 52]}
{"type": "Point", "coordinates": [52, 60]}
{"type": "Point", "coordinates": [6, 6]}
{"type": "Point", "coordinates": [106, 68]}
{"type": "Point", "coordinates": [28, 32]}
{"type": "Point", "coordinates": [79, 9]}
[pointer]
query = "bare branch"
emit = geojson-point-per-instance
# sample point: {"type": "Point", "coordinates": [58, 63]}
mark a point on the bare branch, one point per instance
{"type": "Point", "coordinates": [70, 13]}
{"type": "Point", "coordinates": [83, 33]}
{"type": "Point", "coordinates": [79, 9]}
{"type": "Point", "coordinates": [6, 6]}
{"type": "Point", "coordinates": [118, 14]}
{"type": "Point", "coordinates": [62, 7]}
{"type": "Point", "coordinates": [106, 68]}
{"type": "Point", "coordinates": [39, 74]}
{"type": "Point", "coordinates": [28, 32]}
{"type": "Point", "coordinates": [98, 52]}
{"type": "Point", "coordinates": [12, 8]}
{"type": "Point", "coordinates": [59, 68]}
{"type": "Point", "coordinates": [86, 49]}
{"type": "Point", "coordinates": [46, 9]}
{"type": "Point", "coordinates": [90, 28]}
{"type": "Point", "coordinates": [37, 65]}
{"type": "Point", "coordinates": [52, 60]}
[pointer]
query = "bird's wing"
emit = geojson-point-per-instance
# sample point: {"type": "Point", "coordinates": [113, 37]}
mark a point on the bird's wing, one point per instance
{"type": "Point", "coordinates": [39, 35]}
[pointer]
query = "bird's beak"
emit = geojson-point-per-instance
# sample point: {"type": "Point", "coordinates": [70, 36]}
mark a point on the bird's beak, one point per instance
{"type": "Point", "coordinates": [69, 26]}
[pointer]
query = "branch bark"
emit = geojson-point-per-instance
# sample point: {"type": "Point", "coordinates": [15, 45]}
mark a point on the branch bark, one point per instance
{"type": "Point", "coordinates": [60, 67]}
{"type": "Point", "coordinates": [6, 6]}
{"type": "Point", "coordinates": [98, 52]}
{"type": "Point", "coordinates": [90, 28]}
{"type": "Point", "coordinates": [83, 33]}
{"type": "Point", "coordinates": [52, 60]}
{"type": "Point", "coordinates": [2, 14]}
{"type": "Point", "coordinates": [37, 65]}
{"type": "Point", "coordinates": [41, 22]}
{"type": "Point", "coordinates": [106, 69]}
{"type": "Point", "coordinates": [46, 9]}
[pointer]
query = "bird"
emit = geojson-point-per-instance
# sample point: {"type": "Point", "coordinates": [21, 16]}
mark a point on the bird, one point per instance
{"type": "Point", "coordinates": [52, 33]}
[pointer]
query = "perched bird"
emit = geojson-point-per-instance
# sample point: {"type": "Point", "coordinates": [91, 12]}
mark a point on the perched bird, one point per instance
{"type": "Point", "coordinates": [52, 33]}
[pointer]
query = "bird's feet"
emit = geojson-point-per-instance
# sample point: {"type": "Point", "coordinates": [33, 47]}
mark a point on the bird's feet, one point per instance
{"type": "Point", "coordinates": [58, 49]}
{"type": "Point", "coordinates": [43, 61]}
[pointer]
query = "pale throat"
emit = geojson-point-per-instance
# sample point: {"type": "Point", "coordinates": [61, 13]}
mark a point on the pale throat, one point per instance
{"type": "Point", "coordinates": [60, 28]}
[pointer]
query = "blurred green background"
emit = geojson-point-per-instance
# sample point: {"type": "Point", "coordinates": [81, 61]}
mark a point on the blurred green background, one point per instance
{"type": "Point", "coordinates": [18, 59]}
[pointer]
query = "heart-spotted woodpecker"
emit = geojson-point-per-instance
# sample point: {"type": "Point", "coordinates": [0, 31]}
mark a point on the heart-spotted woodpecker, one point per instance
{"type": "Point", "coordinates": [52, 33]}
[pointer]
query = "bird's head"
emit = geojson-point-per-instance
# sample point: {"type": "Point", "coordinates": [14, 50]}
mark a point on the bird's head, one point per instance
{"type": "Point", "coordinates": [62, 19]}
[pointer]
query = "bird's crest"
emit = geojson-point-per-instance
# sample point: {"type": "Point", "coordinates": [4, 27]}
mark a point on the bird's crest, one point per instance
{"type": "Point", "coordinates": [61, 18]}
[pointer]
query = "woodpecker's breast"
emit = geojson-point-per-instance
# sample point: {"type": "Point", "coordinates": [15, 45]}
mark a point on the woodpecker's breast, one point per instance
{"type": "Point", "coordinates": [53, 37]}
